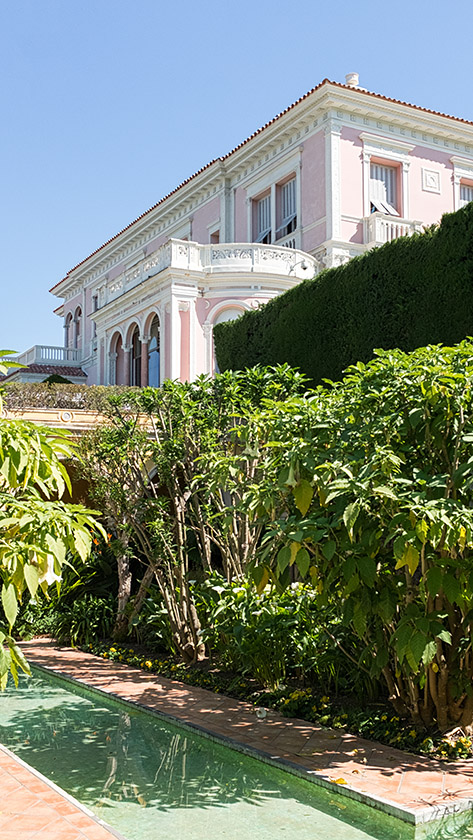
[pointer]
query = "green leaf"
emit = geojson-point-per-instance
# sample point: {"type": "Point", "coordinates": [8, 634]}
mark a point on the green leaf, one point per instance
{"type": "Point", "coordinates": [451, 587]}
{"type": "Point", "coordinates": [410, 558]}
{"type": "Point", "coordinates": [422, 530]}
{"type": "Point", "coordinates": [417, 645]}
{"type": "Point", "coordinates": [303, 494]}
{"type": "Point", "coordinates": [434, 580]}
{"type": "Point", "coordinates": [303, 561]}
{"type": "Point", "coordinates": [284, 557]}
{"type": "Point", "coordinates": [350, 515]}
{"type": "Point", "coordinates": [429, 652]}
{"type": "Point", "coordinates": [367, 569]}
{"type": "Point", "coordinates": [328, 550]}
{"type": "Point", "coordinates": [445, 636]}
{"type": "Point", "coordinates": [359, 619]}
{"type": "Point", "coordinates": [9, 603]}
{"type": "Point", "coordinates": [32, 578]}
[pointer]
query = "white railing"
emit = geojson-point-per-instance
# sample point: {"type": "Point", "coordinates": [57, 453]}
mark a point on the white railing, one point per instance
{"type": "Point", "coordinates": [380, 228]}
{"type": "Point", "coordinates": [45, 354]}
{"type": "Point", "coordinates": [282, 259]}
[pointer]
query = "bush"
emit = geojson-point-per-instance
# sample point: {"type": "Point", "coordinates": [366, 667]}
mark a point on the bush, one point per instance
{"type": "Point", "coordinates": [413, 291]}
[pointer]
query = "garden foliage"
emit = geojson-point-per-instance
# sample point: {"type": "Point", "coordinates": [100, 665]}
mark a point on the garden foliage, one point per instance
{"type": "Point", "coordinates": [39, 534]}
{"type": "Point", "coordinates": [411, 292]}
{"type": "Point", "coordinates": [373, 505]}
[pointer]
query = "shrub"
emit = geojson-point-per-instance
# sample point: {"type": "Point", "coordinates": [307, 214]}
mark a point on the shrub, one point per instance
{"type": "Point", "coordinates": [413, 291]}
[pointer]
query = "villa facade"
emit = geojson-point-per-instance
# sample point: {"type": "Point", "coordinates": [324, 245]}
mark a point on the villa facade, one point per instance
{"type": "Point", "coordinates": [340, 171]}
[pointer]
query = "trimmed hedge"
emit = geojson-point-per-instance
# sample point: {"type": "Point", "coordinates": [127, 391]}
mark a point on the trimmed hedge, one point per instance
{"type": "Point", "coordinates": [408, 293]}
{"type": "Point", "coordinates": [19, 395]}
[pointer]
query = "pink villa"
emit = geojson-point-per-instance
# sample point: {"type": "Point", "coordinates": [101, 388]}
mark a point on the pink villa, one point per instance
{"type": "Point", "coordinates": [340, 171]}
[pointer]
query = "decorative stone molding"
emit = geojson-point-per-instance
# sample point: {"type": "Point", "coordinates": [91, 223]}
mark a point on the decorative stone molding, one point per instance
{"type": "Point", "coordinates": [430, 180]}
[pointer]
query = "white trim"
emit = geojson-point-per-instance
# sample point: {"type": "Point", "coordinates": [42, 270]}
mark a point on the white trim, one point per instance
{"type": "Point", "coordinates": [389, 147]}
{"type": "Point", "coordinates": [332, 179]}
{"type": "Point", "coordinates": [431, 180]}
{"type": "Point", "coordinates": [462, 170]}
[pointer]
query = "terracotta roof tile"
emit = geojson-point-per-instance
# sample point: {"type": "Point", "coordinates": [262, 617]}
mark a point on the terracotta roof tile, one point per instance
{"type": "Point", "coordinates": [47, 370]}
{"type": "Point", "coordinates": [361, 91]}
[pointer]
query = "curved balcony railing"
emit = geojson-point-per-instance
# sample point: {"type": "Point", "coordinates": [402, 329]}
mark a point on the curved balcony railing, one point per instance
{"type": "Point", "coordinates": [229, 257]}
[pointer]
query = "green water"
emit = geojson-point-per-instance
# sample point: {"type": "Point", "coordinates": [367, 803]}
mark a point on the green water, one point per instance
{"type": "Point", "coordinates": [149, 779]}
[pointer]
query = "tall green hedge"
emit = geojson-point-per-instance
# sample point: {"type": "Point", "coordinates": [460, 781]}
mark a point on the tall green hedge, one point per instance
{"type": "Point", "coordinates": [411, 292]}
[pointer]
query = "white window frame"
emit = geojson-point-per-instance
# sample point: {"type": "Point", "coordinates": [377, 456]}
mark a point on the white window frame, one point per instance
{"type": "Point", "coordinates": [386, 151]}
{"type": "Point", "coordinates": [275, 174]}
{"type": "Point", "coordinates": [287, 208]}
{"type": "Point", "coordinates": [388, 177]}
{"type": "Point", "coordinates": [462, 171]}
{"type": "Point", "coordinates": [468, 188]}
{"type": "Point", "coordinates": [263, 214]}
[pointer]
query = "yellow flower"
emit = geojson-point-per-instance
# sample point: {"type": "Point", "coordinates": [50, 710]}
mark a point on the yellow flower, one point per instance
{"type": "Point", "coordinates": [412, 733]}
{"type": "Point", "coordinates": [148, 664]}
{"type": "Point", "coordinates": [384, 717]}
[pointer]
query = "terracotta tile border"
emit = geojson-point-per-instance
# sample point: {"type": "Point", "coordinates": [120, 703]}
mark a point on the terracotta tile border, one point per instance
{"type": "Point", "coordinates": [415, 789]}
{"type": "Point", "coordinates": [34, 808]}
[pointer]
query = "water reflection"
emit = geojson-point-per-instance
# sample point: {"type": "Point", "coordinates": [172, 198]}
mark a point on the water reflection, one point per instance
{"type": "Point", "coordinates": [122, 763]}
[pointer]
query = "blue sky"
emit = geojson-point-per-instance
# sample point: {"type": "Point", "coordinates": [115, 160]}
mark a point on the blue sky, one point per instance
{"type": "Point", "coordinates": [108, 104]}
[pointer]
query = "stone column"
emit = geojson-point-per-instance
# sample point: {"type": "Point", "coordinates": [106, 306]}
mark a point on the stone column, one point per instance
{"type": "Point", "coordinates": [144, 361]}
{"type": "Point", "coordinates": [126, 365]}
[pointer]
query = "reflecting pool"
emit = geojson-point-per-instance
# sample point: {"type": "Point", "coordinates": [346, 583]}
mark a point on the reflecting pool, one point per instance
{"type": "Point", "coordinates": [148, 778]}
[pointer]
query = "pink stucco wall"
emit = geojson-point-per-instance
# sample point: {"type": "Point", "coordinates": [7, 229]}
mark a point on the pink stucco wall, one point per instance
{"type": "Point", "coordinates": [204, 216]}
{"type": "Point", "coordinates": [241, 218]}
{"type": "Point", "coordinates": [313, 191]}
{"type": "Point", "coordinates": [351, 184]}
{"type": "Point", "coordinates": [425, 206]}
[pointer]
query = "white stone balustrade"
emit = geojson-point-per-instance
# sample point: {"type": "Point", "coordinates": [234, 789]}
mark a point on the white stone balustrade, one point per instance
{"type": "Point", "coordinates": [44, 354]}
{"type": "Point", "coordinates": [379, 228]}
{"type": "Point", "coordinates": [213, 259]}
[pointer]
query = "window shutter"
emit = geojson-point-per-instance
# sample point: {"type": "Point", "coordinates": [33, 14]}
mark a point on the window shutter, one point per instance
{"type": "Point", "coordinates": [466, 194]}
{"type": "Point", "coordinates": [383, 186]}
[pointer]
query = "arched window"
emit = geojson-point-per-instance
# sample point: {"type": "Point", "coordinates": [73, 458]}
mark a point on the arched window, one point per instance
{"type": "Point", "coordinates": [135, 358]}
{"type": "Point", "coordinates": [78, 327]}
{"type": "Point", "coordinates": [116, 375]}
{"type": "Point", "coordinates": [154, 378]}
{"type": "Point", "coordinates": [68, 335]}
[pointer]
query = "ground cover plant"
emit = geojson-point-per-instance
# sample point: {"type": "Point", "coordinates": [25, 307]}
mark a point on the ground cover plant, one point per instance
{"type": "Point", "coordinates": [370, 720]}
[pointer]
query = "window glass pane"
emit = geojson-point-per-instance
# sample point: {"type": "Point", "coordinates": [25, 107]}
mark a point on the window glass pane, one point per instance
{"type": "Point", "coordinates": [154, 355]}
{"type": "Point", "coordinates": [383, 184]}
{"type": "Point", "coordinates": [264, 214]}
{"type": "Point", "coordinates": [466, 194]}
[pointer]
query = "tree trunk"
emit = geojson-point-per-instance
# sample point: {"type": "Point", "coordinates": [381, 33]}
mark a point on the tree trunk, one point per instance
{"type": "Point", "coordinates": [120, 629]}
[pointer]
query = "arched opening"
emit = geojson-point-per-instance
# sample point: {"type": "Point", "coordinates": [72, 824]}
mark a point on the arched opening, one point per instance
{"type": "Point", "coordinates": [135, 358]}
{"type": "Point", "coordinates": [227, 314]}
{"type": "Point", "coordinates": [78, 328]}
{"type": "Point", "coordinates": [68, 332]}
{"type": "Point", "coordinates": [154, 374]}
{"type": "Point", "coordinates": [116, 375]}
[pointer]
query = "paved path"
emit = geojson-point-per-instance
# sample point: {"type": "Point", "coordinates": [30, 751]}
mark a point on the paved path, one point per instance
{"type": "Point", "coordinates": [32, 809]}
{"type": "Point", "coordinates": [412, 784]}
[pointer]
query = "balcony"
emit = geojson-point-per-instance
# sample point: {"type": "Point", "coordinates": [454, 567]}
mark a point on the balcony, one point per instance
{"type": "Point", "coordinates": [44, 354]}
{"type": "Point", "coordinates": [379, 228]}
{"type": "Point", "coordinates": [283, 260]}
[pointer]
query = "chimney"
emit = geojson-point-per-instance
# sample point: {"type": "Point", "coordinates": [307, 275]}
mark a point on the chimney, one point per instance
{"type": "Point", "coordinates": [352, 80]}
